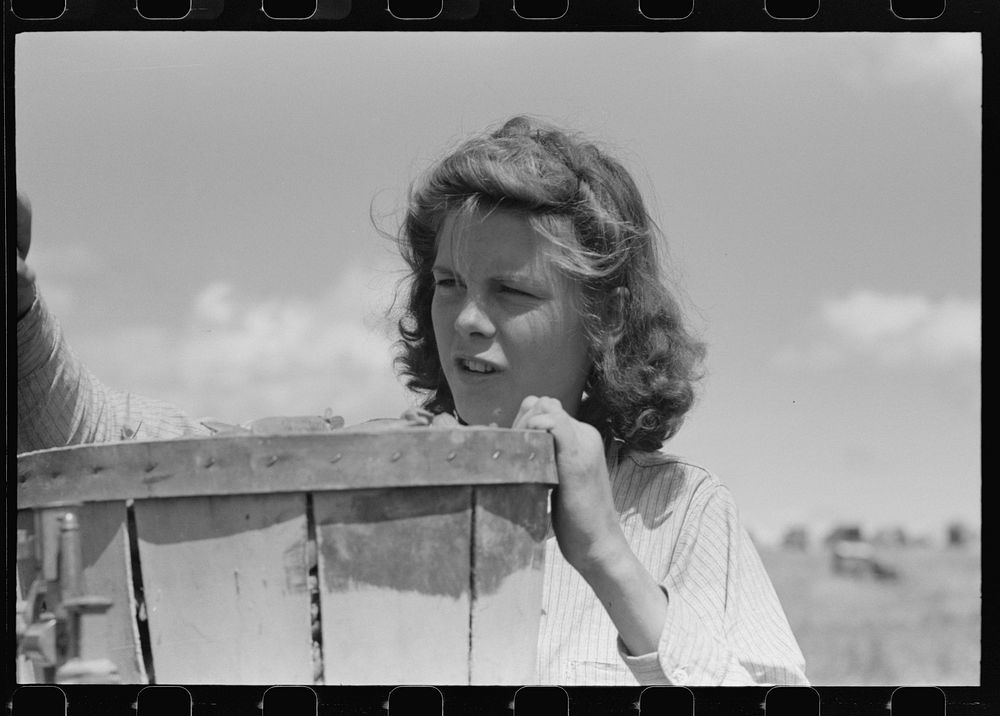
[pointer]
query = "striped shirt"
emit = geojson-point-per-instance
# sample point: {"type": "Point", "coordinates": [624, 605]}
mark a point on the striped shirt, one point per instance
{"type": "Point", "coordinates": [724, 623]}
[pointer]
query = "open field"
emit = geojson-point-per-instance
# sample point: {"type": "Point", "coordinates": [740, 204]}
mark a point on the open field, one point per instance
{"type": "Point", "coordinates": [921, 628]}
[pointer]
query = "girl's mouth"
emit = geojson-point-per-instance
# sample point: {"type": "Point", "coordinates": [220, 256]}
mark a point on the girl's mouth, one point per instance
{"type": "Point", "coordinates": [472, 365]}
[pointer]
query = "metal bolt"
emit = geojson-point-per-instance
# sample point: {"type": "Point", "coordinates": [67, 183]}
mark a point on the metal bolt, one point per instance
{"type": "Point", "coordinates": [396, 455]}
{"type": "Point", "coordinates": [271, 460]}
{"type": "Point", "coordinates": [336, 457]}
{"type": "Point", "coordinates": [451, 456]}
{"type": "Point", "coordinates": [151, 467]}
{"type": "Point", "coordinates": [531, 456]}
{"type": "Point", "coordinates": [496, 454]}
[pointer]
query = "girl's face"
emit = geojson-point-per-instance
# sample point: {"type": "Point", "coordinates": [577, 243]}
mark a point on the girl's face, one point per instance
{"type": "Point", "coordinates": [506, 321]}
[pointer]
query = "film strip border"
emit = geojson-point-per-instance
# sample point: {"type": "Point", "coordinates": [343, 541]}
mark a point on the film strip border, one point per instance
{"type": "Point", "coordinates": [490, 701]}
{"type": "Point", "coordinates": [877, 15]}
{"type": "Point", "coordinates": [531, 15]}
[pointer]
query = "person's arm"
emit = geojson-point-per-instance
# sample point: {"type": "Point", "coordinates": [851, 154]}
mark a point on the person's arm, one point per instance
{"type": "Point", "coordinates": [59, 402]}
{"type": "Point", "coordinates": [724, 624]}
{"type": "Point", "coordinates": [712, 618]}
{"type": "Point", "coordinates": [631, 597]}
{"type": "Point", "coordinates": [25, 274]}
{"type": "Point", "coordinates": [587, 527]}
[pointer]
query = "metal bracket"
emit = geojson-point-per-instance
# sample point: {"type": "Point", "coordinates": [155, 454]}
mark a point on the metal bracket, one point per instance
{"type": "Point", "coordinates": [63, 636]}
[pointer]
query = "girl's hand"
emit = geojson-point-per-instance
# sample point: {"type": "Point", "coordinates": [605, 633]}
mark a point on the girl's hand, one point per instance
{"type": "Point", "coordinates": [583, 513]}
{"type": "Point", "coordinates": [587, 528]}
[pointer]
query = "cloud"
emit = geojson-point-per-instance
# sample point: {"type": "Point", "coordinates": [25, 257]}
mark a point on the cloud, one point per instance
{"type": "Point", "coordinates": [950, 63]}
{"type": "Point", "coordinates": [61, 267]}
{"type": "Point", "coordinates": [214, 305]}
{"type": "Point", "coordinates": [892, 330]}
{"type": "Point", "coordinates": [66, 260]}
{"type": "Point", "coordinates": [240, 358]}
{"type": "Point", "coordinates": [943, 59]}
{"type": "Point", "coordinates": [945, 64]}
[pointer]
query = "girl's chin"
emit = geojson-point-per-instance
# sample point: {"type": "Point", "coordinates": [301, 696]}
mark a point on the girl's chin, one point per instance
{"type": "Point", "coordinates": [486, 418]}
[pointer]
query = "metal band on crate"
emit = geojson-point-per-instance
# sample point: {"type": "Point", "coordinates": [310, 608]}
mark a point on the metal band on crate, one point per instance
{"type": "Point", "coordinates": [342, 460]}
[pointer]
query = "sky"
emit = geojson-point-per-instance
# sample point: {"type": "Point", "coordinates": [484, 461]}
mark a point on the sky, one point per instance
{"type": "Point", "coordinates": [211, 212]}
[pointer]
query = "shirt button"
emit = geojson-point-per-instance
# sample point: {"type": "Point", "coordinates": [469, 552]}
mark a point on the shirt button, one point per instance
{"type": "Point", "coordinates": [680, 676]}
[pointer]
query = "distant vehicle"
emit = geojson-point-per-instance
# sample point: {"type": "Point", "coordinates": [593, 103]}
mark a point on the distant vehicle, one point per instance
{"type": "Point", "coordinates": [856, 558]}
{"type": "Point", "coordinates": [844, 533]}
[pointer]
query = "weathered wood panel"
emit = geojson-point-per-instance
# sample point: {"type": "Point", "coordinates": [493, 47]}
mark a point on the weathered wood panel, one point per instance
{"type": "Point", "coordinates": [509, 543]}
{"type": "Point", "coordinates": [226, 590]}
{"type": "Point", "coordinates": [340, 460]}
{"type": "Point", "coordinates": [394, 583]}
{"type": "Point", "coordinates": [107, 573]}
{"type": "Point", "coordinates": [222, 534]}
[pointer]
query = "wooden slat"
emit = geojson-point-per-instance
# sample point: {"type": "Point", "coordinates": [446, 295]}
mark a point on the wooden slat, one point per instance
{"type": "Point", "coordinates": [222, 535]}
{"type": "Point", "coordinates": [340, 460]}
{"type": "Point", "coordinates": [394, 581]}
{"type": "Point", "coordinates": [225, 581]}
{"type": "Point", "coordinates": [510, 526]}
{"type": "Point", "coordinates": [106, 573]}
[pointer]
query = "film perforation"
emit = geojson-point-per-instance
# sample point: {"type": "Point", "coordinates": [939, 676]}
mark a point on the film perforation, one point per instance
{"type": "Point", "coordinates": [591, 15]}
{"type": "Point", "coordinates": [416, 9]}
{"type": "Point", "coordinates": [164, 700]}
{"type": "Point", "coordinates": [541, 699]}
{"type": "Point", "coordinates": [929, 700]}
{"type": "Point", "coordinates": [289, 701]}
{"type": "Point", "coordinates": [38, 9]}
{"type": "Point", "coordinates": [918, 9]}
{"type": "Point", "coordinates": [666, 9]}
{"type": "Point", "coordinates": [792, 9]}
{"type": "Point", "coordinates": [541, 9]}
{"type": "Point", "coordinates": [785, 700]}
{"type": "Point", "coordinates": [416, 700]}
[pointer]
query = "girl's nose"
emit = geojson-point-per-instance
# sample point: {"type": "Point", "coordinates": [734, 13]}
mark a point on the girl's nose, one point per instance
{"type": "Point", "coordinates": [473, 320]}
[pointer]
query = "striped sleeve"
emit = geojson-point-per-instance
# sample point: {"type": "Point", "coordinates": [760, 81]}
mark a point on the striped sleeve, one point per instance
{"type": "Point", "coordinates": [59, 401]}
{"type": "Point", "coordinates": [724, 624]}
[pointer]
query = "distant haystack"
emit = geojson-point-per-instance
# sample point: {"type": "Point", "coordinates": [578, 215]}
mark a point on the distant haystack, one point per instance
{"type": "Point", "coordinates": [796, 537]}
{"type": "Point", "coordinates": [958, 534]}
{"type": "Point", "coordinates": [892, 537]}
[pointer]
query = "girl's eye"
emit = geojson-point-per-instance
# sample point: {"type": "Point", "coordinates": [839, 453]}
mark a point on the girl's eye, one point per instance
{"type": "Point", "coordinates": [515, 291]}
{"type": "Point", "coordinates": [444, 282]}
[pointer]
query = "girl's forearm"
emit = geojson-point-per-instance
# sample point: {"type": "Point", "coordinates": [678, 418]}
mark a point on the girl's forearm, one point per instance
{"type": "Point", "coordinates": [632, 598]}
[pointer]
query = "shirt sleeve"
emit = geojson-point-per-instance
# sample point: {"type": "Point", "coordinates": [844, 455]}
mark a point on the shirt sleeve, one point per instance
{"type": "Point", "coordinates": [60, 402]}
{"type": "Point", "coordinates": [724, 624]}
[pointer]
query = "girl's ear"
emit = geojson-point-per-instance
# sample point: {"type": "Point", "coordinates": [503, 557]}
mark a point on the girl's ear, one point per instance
{"type": "Point", "coordinates": [614, 314]}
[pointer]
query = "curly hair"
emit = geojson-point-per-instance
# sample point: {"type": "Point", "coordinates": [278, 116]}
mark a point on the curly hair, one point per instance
{"type": "Point", "coordinates": [644, 359]}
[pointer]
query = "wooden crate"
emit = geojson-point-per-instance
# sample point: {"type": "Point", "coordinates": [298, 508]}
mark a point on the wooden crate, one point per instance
{"type": "Point", "coordinates": [424, 546]}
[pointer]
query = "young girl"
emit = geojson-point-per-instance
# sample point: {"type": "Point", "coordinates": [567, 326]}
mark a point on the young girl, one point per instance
{"type": "Point", "coordinates": [536, 301]}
